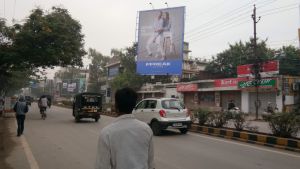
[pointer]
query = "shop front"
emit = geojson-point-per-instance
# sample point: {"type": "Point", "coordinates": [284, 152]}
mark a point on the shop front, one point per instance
{"type": "Point", "coordinates": [190, 95]}
{"type": "Point", "coordinates": [229, 92]}
{"type": "Point", "coordinates": [267, 94]}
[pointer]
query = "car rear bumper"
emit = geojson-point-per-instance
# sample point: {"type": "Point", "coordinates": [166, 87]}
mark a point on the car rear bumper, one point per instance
{"type": "Point", "coordinates": [175, 124]}
{"type": "Point", "coordinates": [89, 114]}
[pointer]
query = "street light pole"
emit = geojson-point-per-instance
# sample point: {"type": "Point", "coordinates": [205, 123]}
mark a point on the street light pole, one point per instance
{"type": "Point", "coordinates": [257, 65]}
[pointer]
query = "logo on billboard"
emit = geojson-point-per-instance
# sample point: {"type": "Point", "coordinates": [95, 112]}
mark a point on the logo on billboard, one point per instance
{"type": "Point", "coordinates": [160, 41]}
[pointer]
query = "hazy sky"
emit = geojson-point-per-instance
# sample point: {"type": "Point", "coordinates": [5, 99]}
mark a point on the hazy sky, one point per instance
{"type": "Point", "coordinates": [210, 25]}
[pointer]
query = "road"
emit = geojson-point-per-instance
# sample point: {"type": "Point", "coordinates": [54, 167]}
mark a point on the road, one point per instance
{"type": "Point", "coordinates": [60, 143]}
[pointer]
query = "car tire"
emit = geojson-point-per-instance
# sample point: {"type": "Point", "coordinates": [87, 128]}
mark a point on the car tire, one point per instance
{"type": "Point", "coordinates": [97, 119]}
{"type": "Point", "coordinates": [156, 128]}
{"type": "Point", "coordinates": [183, 130]}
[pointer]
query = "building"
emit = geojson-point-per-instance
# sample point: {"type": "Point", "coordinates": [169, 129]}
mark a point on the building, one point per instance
{"type": "Point", "coordinates": [215, 94]}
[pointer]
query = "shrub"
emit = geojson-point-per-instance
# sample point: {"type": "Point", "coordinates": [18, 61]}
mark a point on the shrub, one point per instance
{"type": "Point", "coordinates": [283, 124]}
{"type": "Point", "coordinates": [239, 120]}
{"type": "Point", "coordinates": [202, 115]}
{"type": "Point", "coordinates": [218, 119]}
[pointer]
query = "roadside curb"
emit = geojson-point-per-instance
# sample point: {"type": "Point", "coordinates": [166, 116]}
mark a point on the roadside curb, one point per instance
{"type": "Point", "coordinates": [253, 138]}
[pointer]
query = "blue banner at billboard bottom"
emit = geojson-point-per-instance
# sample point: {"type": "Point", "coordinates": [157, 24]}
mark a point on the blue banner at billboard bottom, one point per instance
{"type": "Point", "coordinates": [171, 67]}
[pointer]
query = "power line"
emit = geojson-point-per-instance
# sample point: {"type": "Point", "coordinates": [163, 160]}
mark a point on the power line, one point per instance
{"type": "Point", "coordinates": [287, 6]}
{"type": "Point", "coordinates": [280, 11]}
{"type": "Point", "coordinates": [228, 24]}
{"type": "Point", "coordinates": [230, 13]}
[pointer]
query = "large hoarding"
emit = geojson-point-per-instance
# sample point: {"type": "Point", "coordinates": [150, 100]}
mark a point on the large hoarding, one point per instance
{"type": "Point", "coordinates": [268, 69]}
{"type": "Point", "coordinates": [160, 41]}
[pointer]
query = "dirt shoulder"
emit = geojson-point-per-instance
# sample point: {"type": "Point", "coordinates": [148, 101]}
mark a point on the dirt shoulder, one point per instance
{"type": "Point", "coordinates": [6, 143]}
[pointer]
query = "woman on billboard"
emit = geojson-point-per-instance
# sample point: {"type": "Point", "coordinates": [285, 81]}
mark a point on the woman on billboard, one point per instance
{"type": "Point", "coordinates": [156, 37]}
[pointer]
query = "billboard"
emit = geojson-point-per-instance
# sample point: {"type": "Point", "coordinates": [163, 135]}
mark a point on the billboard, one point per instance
{"type": "Point", "coordinates": [269, 69]}
{"type": "Point", "coordinates": [160, 41]}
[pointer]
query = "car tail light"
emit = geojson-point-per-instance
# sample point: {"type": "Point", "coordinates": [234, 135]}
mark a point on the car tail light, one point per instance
{"type": "Point", "coordinates": [162, 113]}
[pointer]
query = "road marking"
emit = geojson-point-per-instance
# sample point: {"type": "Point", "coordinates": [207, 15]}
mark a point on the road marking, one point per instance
{"type": "Point", "coordinates": [245, 145]}
{"type": "Point", "coordinates": [31, 160]}
{"type": "Point", "coordinates": [28, 153]}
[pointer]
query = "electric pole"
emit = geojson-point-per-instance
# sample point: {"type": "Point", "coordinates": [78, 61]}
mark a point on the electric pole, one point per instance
{"type": "Point", "coordinates": [257, 65]}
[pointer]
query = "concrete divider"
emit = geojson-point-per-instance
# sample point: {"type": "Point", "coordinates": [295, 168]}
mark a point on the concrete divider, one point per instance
{"type": "Point", "coordinates": [254, 138]}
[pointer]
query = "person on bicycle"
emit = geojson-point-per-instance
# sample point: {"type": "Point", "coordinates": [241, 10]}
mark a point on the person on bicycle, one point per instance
{"type": "Point", "coordinates": [43, 103]}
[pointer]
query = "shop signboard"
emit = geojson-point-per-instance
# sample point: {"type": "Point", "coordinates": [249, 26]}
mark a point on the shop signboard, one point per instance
{"type": "Point", "coordinates": [229, 82]}
{"type": "Point", "coordinates": [268, 69]}
{"type": "Point", "coordinates": [187, 87]}
{"type": "Point", "coordinates": [264, 83]}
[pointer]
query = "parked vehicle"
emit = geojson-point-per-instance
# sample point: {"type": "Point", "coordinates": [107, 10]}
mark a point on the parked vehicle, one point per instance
{"type": "Point", "coordinates": [235, 110]}
{"type": "Point", "coordinates": [87, 105]}
{"type": "Point", "coordinates": [163, 113]}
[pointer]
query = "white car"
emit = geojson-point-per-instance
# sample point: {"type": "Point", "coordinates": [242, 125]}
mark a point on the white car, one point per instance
{"type": "Point", "coordinates": [163, 113]}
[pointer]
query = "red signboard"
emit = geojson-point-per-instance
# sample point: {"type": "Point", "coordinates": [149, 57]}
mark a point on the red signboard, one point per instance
{"type": "Point", "coordinates": [187, 87]}
{"type": "Point", "coordinates": [267, 67]}
{"type": "Point", "coordinates": [230, 82]}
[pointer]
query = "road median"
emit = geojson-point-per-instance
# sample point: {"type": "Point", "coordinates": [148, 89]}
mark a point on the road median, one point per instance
{"type": "Point", "coordinates": [249, 137]}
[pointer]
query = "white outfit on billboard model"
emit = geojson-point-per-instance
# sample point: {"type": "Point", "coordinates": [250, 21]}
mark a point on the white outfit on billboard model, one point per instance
{"type": "Point", "coordinates": [156, 37]}
{"type": "Point", "coordinates": [167, 33]}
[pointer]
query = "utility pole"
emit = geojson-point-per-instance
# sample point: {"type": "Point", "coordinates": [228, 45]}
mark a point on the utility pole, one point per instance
{"type": "Point", "coordinates": [257, 65]}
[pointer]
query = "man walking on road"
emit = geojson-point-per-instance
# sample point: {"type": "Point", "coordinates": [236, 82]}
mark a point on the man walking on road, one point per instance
{"type": "Point", "coordinates": [127, 142]}
{"type": "Point", "coordinates": [21, 108]}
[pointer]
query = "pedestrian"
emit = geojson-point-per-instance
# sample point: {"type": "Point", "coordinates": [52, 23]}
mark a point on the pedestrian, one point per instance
{"type": "Point", "coordinates": [127, 142]}
{"type": "Point", "coordinates": [1, 105]}
{"type": "Point", "coordinates": [21, 108]}
{"type": "Point", "coordinates": [231, 105]}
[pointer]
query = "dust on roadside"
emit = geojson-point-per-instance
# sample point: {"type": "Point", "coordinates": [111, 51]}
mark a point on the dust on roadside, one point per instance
{"type": "Point", "coordinates": [6, 143]}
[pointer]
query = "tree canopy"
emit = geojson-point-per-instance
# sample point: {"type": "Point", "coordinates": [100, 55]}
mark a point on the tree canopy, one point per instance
{"type": "Point", "coordinates": [240, 53]}
{"type": "Point", "coordinates": [128, 76]}
{"type": "Point", "coordinates": [45, 39]}
{"type": "Point", "coordinates": [97, 70]}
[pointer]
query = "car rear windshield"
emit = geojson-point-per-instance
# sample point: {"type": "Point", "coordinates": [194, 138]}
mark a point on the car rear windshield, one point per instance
{"type": "Point", "coordinates": [172, 104]}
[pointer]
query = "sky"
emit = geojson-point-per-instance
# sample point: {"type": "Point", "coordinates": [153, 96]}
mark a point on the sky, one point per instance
{"type": "Point", "coordinates": [210, 25]}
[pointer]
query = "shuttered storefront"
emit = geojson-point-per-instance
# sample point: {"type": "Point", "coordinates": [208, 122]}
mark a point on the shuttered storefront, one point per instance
{"type": "Point", "coordinates": [226, 96]}
{"type": "Point", "coordinates": [264, 97]}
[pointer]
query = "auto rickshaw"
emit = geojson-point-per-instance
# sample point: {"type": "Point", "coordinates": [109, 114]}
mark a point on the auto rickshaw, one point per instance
{"type": "Point", "coordinates": [87, 105]}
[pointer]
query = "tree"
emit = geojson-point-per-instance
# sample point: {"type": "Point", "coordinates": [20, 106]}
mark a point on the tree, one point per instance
{"type": "Point", "coordinates": [128, 76]}
{"type": "Point", "coordinates": [289, 58]}
{"type": "Point", "coordinates": [97, 70]}
{"type": "Point", "coordinates": [46, 39]}
{"type": "Point", "coordinates": [239, 53]}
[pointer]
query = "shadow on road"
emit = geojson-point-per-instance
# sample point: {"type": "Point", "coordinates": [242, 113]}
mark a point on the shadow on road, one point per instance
{"type": "Point", "coordinates": [166, 133]}
{"type": "Point", "coordinates": [85, 121]}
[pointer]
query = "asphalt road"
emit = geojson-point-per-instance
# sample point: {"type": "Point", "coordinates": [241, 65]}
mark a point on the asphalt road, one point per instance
{"type": "Point", "coordinates": [60, 143]}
